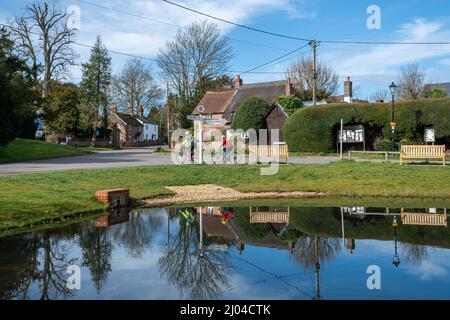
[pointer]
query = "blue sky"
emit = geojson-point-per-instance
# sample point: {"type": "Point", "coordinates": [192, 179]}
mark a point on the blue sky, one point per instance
{"type": "Point", "coordinates": [371, 67]}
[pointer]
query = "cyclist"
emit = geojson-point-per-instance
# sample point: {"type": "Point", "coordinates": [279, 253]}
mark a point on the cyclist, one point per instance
{"type": "Point", "coordinates": [226, 146]}
{"type": "Point", "coordinates": [188, 215]}
{"type": "Point", "coordinates": [227, 214]}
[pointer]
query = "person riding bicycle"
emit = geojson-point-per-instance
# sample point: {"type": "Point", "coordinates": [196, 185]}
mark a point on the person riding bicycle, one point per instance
{"type": "Point", "coordinates": [227, 214]}
{"type": "Point", "coordinates": [187, 143]}
{"type": "Point", "coordinates": [226, 146]}
{"type": "Point", "coordinates": [189, 215]}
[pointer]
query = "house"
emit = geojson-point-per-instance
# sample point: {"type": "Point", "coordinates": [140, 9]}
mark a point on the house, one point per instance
{"type": "Point", "coordinates": [347, 97]}
{"type": "Point", "coordinates": [444, 85]}
{"type": "Point", "coordinates": [134, 128]}
{"type": "Point", "coordinates": [149, 128]}
{"type": "Point", "coordinates": [224, 104]}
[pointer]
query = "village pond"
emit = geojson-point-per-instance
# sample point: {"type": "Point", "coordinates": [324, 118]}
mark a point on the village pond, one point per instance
{"type": "Point", "coordinates": [240, 252]}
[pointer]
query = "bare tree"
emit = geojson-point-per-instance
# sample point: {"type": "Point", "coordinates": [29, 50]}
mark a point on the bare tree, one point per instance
{"type": "Point", "coordinates": [44, 38]}
{"type": "Point", "coordinates": [411, 82]}
{"type": "Point", "coordinates": [198, 52]}
{"type": "Point", "coordinates": [301, 73]}
{"type": "Point", "coordinates": [135, 85]}
{"type": "Point", "coordinates": [379, 95]}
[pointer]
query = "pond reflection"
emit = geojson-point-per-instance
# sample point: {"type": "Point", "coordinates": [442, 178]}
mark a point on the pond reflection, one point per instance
{"type": "Point", "coordinates": [256, 252]}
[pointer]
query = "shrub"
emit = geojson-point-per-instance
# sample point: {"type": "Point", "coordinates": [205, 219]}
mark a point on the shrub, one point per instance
{"type": "Point", "coordinates": [313, 129]}
{"type": "Point", "coordinates": [381, 144]}
{"type": "Point", "coordinates": [250, 114]}
{"type": "Point", "coordinates": [290, 104]}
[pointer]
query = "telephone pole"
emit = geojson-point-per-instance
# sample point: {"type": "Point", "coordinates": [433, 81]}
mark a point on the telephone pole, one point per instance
{"type": "Point", "coordinates": [313, 44]}
{"type": "Point", "coordinates": [168, 113]}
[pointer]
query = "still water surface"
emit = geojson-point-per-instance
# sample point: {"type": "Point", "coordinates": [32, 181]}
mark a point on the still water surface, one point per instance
{"type": "Point", "coordinates": [235, 253]}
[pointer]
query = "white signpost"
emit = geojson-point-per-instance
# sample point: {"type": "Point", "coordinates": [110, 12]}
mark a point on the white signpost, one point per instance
{"type": "Point", "coordinates": [201, 121]}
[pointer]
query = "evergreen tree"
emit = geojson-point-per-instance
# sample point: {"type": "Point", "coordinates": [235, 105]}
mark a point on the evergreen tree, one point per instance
{"type": "Point", "coordinates": [95, 86]}
{"type": "Point", "coordinates": [17, 97]}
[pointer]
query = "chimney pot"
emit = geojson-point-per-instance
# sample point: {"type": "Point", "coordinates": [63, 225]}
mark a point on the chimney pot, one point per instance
{"type": "Point", "coordinates": [348, 90]}
{"type": "Point", "coordinates": [237, 82]}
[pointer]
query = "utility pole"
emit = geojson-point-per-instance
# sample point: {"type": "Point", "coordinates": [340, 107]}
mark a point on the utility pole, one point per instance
{"type": "Point", "coordinates": [313, 44]}
{"type": "Point", "coordinates": [168, 113]}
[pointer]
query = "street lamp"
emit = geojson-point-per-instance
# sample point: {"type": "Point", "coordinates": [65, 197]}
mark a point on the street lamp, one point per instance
{"type": "Point", "coordinates": [395, 259]}
{"type": "Point", "coordinates": [392, 88]}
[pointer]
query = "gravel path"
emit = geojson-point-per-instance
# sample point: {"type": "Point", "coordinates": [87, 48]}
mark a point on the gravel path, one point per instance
{"type": "Point", "coordinates": [211, 193]}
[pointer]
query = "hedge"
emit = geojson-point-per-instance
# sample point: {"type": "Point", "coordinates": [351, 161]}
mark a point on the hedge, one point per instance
{"type": "Point", "coordinates": [314, 129]}
{"type": "Point", "coordinates": [250, 114]}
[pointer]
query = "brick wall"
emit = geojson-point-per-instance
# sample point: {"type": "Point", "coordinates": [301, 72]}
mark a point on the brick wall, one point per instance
{"type": "Point", "coordinates": [115, 198]}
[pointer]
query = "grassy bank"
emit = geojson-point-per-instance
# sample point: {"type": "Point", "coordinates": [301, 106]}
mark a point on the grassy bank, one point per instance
{"type": "Point", "coordinates": [29, 198]}
{"type": "Point", "coordinates": [23, 149]}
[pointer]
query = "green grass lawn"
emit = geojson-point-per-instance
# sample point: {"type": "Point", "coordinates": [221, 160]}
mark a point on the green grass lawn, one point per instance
{"type": "Point", "coordinates": [29, 198]}
{"type": "Point", "coordinates": [23, 149]}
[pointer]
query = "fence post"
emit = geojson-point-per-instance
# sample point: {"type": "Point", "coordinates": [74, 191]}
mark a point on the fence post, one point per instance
{"type": "Point", "coordinates": [349, 154]}
{"type": "Point", "coordinates": [386, 156]}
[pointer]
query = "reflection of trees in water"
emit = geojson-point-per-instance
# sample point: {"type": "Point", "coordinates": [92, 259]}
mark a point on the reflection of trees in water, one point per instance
{"type": "Point", "coordinates": [96, 247]}
{"type": "Point", "coordinates": [197, 276]}
{"type": "Point", "coordinates": [307, 253]}
{"type": "Point", "coordinates": [137, 234]}
{"type": "Point", "coordinates": [415, 254]}
{"type": "Point", "coordinates": [34, 261]}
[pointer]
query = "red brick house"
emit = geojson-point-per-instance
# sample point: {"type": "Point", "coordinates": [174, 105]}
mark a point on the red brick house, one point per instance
{"type": "Point", "coordinates": [130, 128]}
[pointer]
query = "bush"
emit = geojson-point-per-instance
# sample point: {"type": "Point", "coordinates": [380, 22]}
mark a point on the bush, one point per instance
{"type": "Point", "coordinates": [381, 144]}
{"type": "Point", "coordinates": [314, 129]}
{"type": "Point", "coordinates": [250, 114]}
{"type": "Point", "coordinates": [290, 104]}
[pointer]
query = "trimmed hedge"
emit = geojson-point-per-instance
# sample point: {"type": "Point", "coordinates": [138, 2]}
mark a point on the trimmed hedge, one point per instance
{"type": "Point", "coordinates": [314, 129]}
{"type": "Point", "coordinates": [250, 114]}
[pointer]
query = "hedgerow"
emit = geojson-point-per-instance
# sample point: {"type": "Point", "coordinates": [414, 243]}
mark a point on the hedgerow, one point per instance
{"type": "Point", "coordinates": [314, 129]}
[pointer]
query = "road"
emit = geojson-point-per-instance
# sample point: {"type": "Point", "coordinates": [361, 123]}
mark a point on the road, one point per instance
{"type": "Point", "coordinates": [119, 159]}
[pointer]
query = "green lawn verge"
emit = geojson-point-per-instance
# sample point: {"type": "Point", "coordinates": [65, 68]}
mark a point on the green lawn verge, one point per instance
{"type": "Point", "coordinates": [23, 149]}
{"type": "Point", "coordinates": [29, 198]}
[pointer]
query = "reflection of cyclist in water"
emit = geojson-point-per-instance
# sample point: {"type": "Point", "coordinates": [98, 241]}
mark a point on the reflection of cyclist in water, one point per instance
{"type": "Point", "coordinates": [227, 214]}
{"type": "Point", "coordinates": [189, 215]}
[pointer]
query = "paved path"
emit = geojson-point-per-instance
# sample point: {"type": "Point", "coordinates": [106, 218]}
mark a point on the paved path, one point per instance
{"type": "Point", "coordinates": [116, 159]}
{"type": "Point", "coordinates": [100, 159]}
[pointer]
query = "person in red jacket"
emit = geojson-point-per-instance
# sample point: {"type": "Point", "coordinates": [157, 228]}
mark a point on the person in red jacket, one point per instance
{"type": "Point", "coordinates": [227, 214]}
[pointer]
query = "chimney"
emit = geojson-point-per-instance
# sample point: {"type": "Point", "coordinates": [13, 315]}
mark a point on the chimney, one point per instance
{"type": "Point", "coordinates": [348, 92]}
{"type": "Point", "coordinates": [130, 109]}
{"type": "Point", "coordinates": [140, 111]}
{"type": "Point", "coordinates": [288, 87]}
{"type": "Point", "coordinates": [114, 108]}
{"type": "Point", "coordinates": [237, 82]}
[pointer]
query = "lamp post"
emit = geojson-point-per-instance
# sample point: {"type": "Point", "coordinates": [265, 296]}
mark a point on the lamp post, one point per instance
{"type": "Point", "coordinates": [392, 88]}
{"type": "Point", "coordinates": [395, 259]}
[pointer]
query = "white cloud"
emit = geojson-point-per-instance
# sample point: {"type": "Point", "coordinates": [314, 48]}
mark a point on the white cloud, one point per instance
{"type": "Point", "coordinates": [144, 37]}
{"type": "Point", "coordinates": [385, 59]}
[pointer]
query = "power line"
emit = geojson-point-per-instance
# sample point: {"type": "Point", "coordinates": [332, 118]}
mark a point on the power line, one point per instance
{"type": "Point", "coordinates": [236, 24]}
{"type": "Point", "coordinates": [171, 24]}
{"type": "Point", "coordinates": [141, 57]}
{"type": "Point", "coordinates": [303, 39]}
{"type": "Point", "coordinates": [274, 60]}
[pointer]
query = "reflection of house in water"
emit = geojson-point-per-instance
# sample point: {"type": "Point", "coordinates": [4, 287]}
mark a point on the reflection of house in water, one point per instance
{"type": "Point", "coordinates": [212, 223]}
{"type": "Point", "coordinates": [275, 217]}
{"type": "Point", "coordinates": [115, 217]}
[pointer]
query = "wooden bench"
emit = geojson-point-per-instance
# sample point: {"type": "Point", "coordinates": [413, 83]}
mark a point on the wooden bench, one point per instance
{"type": "Point", "coordinates": [422, 152]}
{"type": "Point", "coordinates": [270, 152]}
